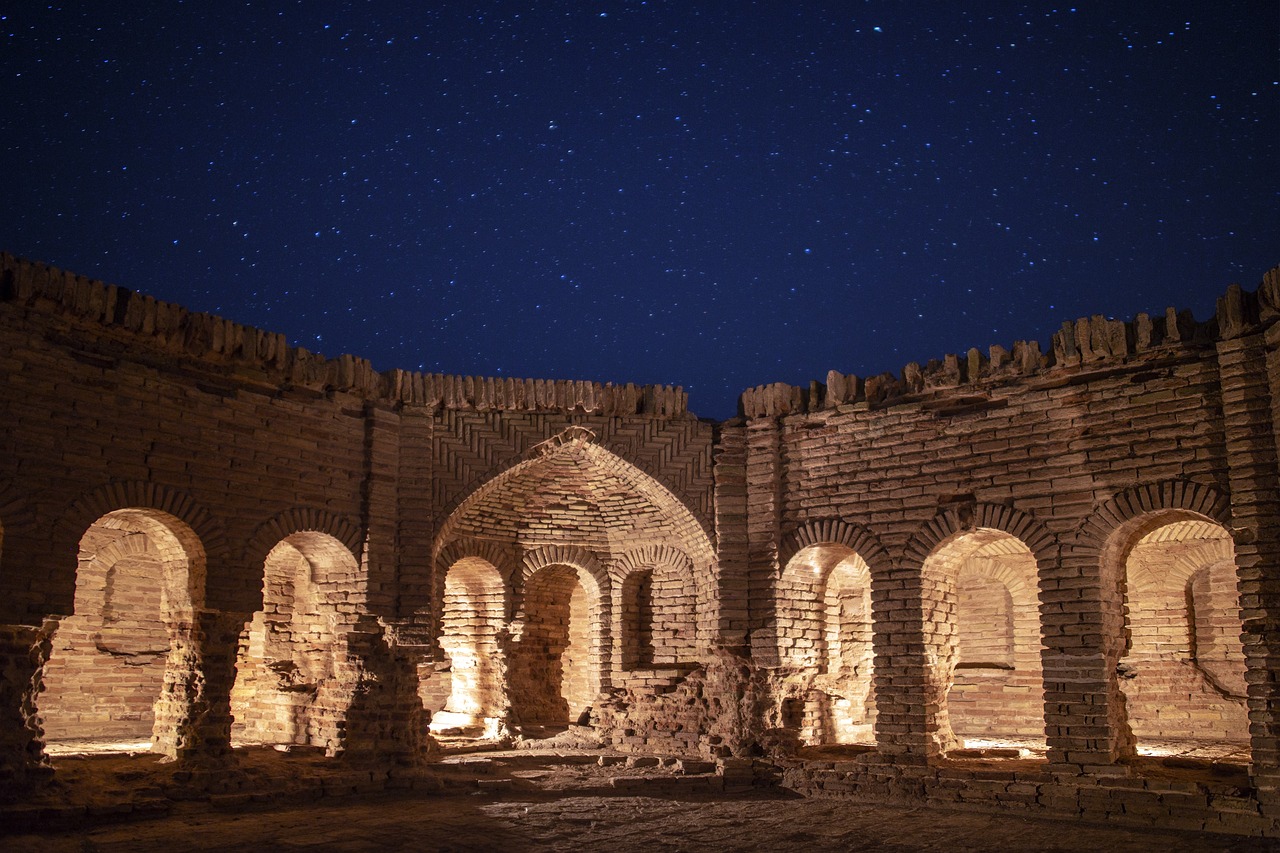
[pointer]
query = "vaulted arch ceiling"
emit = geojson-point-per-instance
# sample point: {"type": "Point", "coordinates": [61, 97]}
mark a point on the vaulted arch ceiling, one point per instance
{"type": "Point", "coordinates": [577, 492]}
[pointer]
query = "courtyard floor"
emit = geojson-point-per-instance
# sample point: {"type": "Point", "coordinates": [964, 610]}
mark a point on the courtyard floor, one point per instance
{"type": "Point", "coordinates": [516, 801]}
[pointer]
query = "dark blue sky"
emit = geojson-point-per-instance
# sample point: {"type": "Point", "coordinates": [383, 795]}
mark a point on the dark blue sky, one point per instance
{"type": "Point", "coordinates": [714, 195]}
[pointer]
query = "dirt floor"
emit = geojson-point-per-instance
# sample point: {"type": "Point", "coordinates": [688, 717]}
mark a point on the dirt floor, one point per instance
{"type": "Point", "coordinates": [487, 822]}
{"type": "Point", "coordinates": [517, 801]}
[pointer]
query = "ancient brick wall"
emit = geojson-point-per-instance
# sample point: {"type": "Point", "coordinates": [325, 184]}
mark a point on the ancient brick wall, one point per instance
{"type": "Point", "coordinates": [1072, 549]}
{"type": "Point", "coordinates": [223, 445]}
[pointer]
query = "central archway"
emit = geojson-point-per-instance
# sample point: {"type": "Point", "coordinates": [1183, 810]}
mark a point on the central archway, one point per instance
{"type": "Point", "coordinates": [555, 662]}
{"type": "Point", "coordinates": [609, 555]}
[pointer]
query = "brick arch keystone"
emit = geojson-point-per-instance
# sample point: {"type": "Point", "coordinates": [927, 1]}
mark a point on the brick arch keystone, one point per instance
{"type": "Point", "coordinates": [1093, 534]}
{"type": "Point", "coordinates": [137, 494]}
{"type": "Point", "coordinates": [834, 531]}
{"type": "Point", "coordinates": [946, 524]}
{"type": "Point", "coordinates": [298, 520]}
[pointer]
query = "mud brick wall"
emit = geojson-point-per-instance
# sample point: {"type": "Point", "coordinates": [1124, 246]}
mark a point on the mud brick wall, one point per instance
{"type": "Point", "coordinates": [220, 444]}
{"type": "Point", "coordinates": [1071, 546]}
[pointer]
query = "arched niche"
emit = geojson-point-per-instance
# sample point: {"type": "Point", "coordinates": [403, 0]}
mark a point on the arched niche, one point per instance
{"type": "Point", "coordinates": [293, 679]}
{"type": "Point", "coordinates": [657, 607]}
{"type": "Point", "coordinates": [981, 621]}
{"type": "Point", "coordinates": [556, 660]}
{"type": "Point", "coordinates": [824, 635]}
{"type": "Point", "coordinates": [1182, 669]}
{"type": "Point", "coordinates": [570, 492]}
{"type": "Point", "coordinates": [471, 626]}
{"type": "Point", "coordinates": [119, 666]}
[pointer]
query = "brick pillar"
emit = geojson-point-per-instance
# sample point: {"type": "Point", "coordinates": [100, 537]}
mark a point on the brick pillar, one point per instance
{"type": "Point", "coordinates": [380, 510]}
{"type": "Point", "coordinates": [1082, 628]}
{"type": "Point", "coordinates": [904, 727]}
{"type": "Point", "coordinates": [385, 722]}
{"type": "Point", "coordinates": [729, 465]}
{"type": "Point", "coordinates": [1249, 371]}
{"type": "Point", "coordinates": [193, 714]}
{"type": "Point", "coordinates": [764, 517]}
{"type": "Point", "coordinates": [23, 652]}
{"type": "Point", "coordinates": [415, 534]}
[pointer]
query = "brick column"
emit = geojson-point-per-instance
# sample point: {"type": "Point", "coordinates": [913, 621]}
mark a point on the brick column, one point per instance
{"type": "Point", "coordinates": [380, 509]}
{"type": "Point", "coordinates": [414, 512]}
{"type": "Point", "coordinates": [1249, 370]}
{"type": "Point", "coordinates": [193, 713]}
{"type": "Point", "coordinates": [733, 589]}
{"type": "Point", "coordinates": [23, 652]}
{"type": "Point", "coordinates": [764, 518]}
{"type": "Point", "coordinates": [904, 727]}
{"type": "Point", "coordinates": [1082, 628]}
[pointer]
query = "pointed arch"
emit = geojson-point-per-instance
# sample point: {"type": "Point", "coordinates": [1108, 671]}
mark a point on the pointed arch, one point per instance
{"type": "Point", "coordinates": [579, 436]}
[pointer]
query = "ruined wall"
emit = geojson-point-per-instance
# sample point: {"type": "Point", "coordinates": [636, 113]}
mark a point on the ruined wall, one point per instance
{"type": "Point", "coordinates": [1071, 550]}
{"type": "Point", "coordinates": [115, 402]}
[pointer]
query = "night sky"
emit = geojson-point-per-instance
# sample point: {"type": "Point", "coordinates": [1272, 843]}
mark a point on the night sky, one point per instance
{"type": "Point", "coordinates": [714, 195]}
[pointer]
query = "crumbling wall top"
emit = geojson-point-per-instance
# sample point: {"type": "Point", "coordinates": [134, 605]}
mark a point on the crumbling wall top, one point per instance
{"type": "Point", "coordinates": [259, 357]}
{"type": "Point", "coordinates": [1088, 343]}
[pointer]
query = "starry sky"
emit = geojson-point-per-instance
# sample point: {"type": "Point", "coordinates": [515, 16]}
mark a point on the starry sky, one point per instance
{"type": "Point", "coordinates": [709, 194]}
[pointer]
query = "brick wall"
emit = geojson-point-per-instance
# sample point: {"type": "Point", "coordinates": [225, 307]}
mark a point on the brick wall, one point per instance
{"type": "Point", "coordinates": [1072, 546]}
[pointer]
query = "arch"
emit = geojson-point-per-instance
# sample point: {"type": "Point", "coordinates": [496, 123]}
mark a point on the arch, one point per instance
{"type": "Point", "coordinates": [969, 517]}
{"type": "Point", "coordinates": [572, 519]}
{"type": "Point", "coordinates": [294, 678]}
{"type": "Point", "coordinates": [1145, 499]}
{"type": "Point", "coordinates": [302, 519]}
{"type": "Point", "coordinates": [834, 531]}
{"type": "Point", "coordinates": [587, 564]}
{"type": "Point", "coordinates": [656, 601]}
{"type": "Point", "coordinates": [504, 558]}
{"type": "Point", "coordinates": [577, 436]}
{"type": "Point", "coordinates": [560, 654]}
{"type": "Point", "coordinates": [139, 584]}
{"type": "Point", "coordinates": [823, 635]}
{"type": "Point", "coordinates": [139, 494]}
{"type": "Point", "coordinates": [1170, 587]}
{"type": "Point", "coordinates": [472, 639]}
{"type": "Point", "coordinates": [980, 573]}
